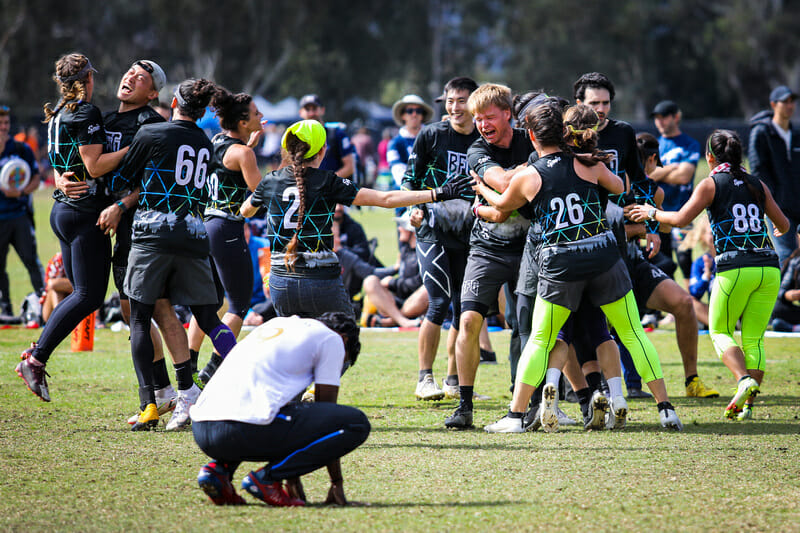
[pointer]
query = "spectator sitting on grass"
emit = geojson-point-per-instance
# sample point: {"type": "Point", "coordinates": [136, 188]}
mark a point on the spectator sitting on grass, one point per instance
{"type": "Point", "coordinates": [56, 285]}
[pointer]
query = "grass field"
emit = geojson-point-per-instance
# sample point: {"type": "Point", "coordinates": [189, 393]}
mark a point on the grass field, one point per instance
{"type": "Point", "coordinates": [73, 464]}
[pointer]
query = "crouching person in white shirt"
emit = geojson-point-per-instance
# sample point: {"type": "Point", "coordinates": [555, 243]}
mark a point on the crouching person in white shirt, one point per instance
{"type": "Point", "coordinates": [246, 412]}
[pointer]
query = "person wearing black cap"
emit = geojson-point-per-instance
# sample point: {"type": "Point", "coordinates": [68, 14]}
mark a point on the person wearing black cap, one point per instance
{"type": "Point", "coordinates": [340, 156]}
{"type": "Point", "coordinates": [679, 155]}
{"type": "Point", "coordinates": [774, 153]}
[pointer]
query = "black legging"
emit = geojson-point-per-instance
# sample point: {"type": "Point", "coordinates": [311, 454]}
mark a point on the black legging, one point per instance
{"type": "Point", "coordinates": [230, 257]}
{"type": "Point", "coordinates": [86, 251]}
{"type": "Point", "coordinates": [142, 343]}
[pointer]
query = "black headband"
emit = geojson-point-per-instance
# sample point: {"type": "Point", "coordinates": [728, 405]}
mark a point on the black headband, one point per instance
{"type": "Point", "coordinates": [81, 74]}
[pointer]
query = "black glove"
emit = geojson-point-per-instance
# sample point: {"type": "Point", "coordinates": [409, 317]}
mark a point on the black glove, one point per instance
{"type": "Point", "coordinates": [455, 188]}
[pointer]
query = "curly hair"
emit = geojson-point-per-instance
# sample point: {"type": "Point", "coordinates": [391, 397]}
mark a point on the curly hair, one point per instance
{"type": "Point", "coordinates": [592, 80]}
{"type": "Point", "coordinates": [194, 96]}
{"type": "Point", "coordinates": [344, 324]}
{"type": "Point", "coordinates": [231, 108]}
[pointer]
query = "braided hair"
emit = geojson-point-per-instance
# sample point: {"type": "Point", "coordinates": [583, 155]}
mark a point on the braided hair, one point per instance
{"type": "Point", "coordinates": [72, 73]}
{"type": "Point", "coordinates": [580, 122]}
{"type": "Point", "coordinates": [294, 158]}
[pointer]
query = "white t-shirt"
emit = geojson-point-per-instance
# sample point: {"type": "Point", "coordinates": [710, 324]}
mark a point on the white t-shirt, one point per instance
{"type": "Point", "coordinates": [268, 368]}
{"type": "Point", "coordinates": [786, 135]}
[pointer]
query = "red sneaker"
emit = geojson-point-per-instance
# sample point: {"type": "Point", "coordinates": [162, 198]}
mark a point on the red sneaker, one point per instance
{"type": "Point", "coordinates": [215, 481]}
{"type": "Point", "coordinates": [33, 374]}
{"type": "Point", "coordinates": [272, 494]}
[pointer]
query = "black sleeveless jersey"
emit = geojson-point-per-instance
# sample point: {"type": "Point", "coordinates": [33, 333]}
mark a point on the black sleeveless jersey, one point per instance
{"type": "Point", "coordinates": [279, 194]}
{"type": "Point", "coordinates": [737, 223]}
{"type": "Point", "coordinates": [227, 189]}
{"type": "Point", "coordinates": [438, 156]}
{"type": "Point", "coordinates": [576, 241]}
{"type": "Point", "coordinates": [618, 138]}
{"type": "Point", "coordinates": [67, 131]}
{"type": "Point", "coordinates": [122, 127]}
{"type": "Point", "coordinates": [169, 161]}
{"type": "Point", "coordinates": [506, 237]}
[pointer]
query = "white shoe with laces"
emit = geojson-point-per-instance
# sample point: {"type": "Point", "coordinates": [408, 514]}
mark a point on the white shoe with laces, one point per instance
{"type": "Point", "coordinates": [617, 415]}
{"type": "Point", "coordinates": [669, 419]}
{"type": "Point", "coordinates": [547, 411]}
{"type": "Point", "coordinates": [451, 392]}
{"type": "Point", "coordinates": [427, 389]}
{"type": "Point", "coordinates": [563, 418]}
{"type": "Point", "coordinates": [180, 417]}
{"type": "Point", "coordinates": [505, 425]}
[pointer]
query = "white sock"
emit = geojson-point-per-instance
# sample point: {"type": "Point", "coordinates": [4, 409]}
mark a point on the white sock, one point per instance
{"type": "Point", "coordinates": [553, 376]}
{"type": "Point", "coordinates": [615, 387]}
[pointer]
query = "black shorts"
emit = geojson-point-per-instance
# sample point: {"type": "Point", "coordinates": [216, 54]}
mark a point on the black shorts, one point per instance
{"type": "Point", "coordinates": [645, 277]}
{"type": "Point", "coordinates": [184, 280]}
{"type": "Point", "coordinates": [528, 271]}
{"type": "Point", "coordinates": [601, 289]}
{"type": "Point", "coordinates": [485, 275]}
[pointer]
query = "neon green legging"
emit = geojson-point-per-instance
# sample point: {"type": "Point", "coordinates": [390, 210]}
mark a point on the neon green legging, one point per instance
{"type": "Point", "coordinates": [623, 314]}
{"type": "Point", "coordinates": [749, 293]}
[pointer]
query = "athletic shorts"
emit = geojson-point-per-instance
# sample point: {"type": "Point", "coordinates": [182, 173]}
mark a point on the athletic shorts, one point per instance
{"type": "Point", "coordinates": [484, 277]}
{"type": "Point", "coordinates": [602, 289]}
{"type": "Point", "coordinates": [528, 271]}
{"type": "Point", "coordinates": [184, 280]}
{"type": "Point", "coordinates": [645, 277]}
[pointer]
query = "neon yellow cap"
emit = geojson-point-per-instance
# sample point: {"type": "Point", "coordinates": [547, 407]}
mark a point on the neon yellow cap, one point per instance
{"type": "Point", "coordinates": [308, 131]}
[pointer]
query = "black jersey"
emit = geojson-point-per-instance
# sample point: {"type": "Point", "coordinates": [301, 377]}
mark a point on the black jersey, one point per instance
{"type": "Point", "coordinates": [279, 194]}
{"type": "Point", "coordinates": [439, 155]}
{"type": "Point", "coordinates": [506, 237]}
{"type": "Point", "coordinates": [737, 223]}
{"type": "Point", "coordinates": [576, 243]}
{"type": "Point", "coordinates": [121, 127]}
{"type": "Point", "coordinates": [619, 139]}
{"type": "Point", "coordinates": [174, 157]}
{"type": "Point", "coordinates": [227, 189]}
{"type": "Point", "coordinates": [67, 131]}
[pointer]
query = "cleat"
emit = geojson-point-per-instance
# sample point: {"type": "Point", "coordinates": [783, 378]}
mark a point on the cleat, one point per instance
{"type": "Point", "coordinates": [215, 481]}
{"type": "Point", "coordinates": [617, 414]}
{"type": "Point", "coordinates": [531, 421]}
{"type": "Point", "coordinates": [180, 417]}
{"type": "Point", "coordinates": [638, 394]}
{"type": "Point", "coordinates": [547, 410]}
{"type": "Point", "coordinates": [34, 375]}
{"type": "Point", "coordinates": [488, 357]}
{"type": "Point", "coordinates": [598, 406]}
{"type": "Point", "coordinates": [746, 389]}
{"type": "Point", "coordinates": [669, 418]}
{"type": "Point", "coordinates": [697, 389]}
{"type": "Point", "coordinates": [563, 418]}
{"type": "Point", "coordinates": [166, 400]}
{"type": "Point", "coordinates": [460, 419]}
{"type": "Point", "coordinates": [747, 412]}
{"type": "Point", "coordinates": [147, 419]}
{"type": "Point", "coordinates": [210, 369]}
{"type": "Point", "coordinates": [505, 425]}
{"type": "Point", "coordinates": [269, 493]}
{"type": "Point", "coordinates": [428, 390]}
{"type": "Point", "coordinates": [451, 392]}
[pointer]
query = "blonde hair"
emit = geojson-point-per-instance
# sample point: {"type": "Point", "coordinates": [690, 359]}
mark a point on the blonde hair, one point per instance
{"type": "Point", "coordinates": [73, 90]}
{"type": "Point", "coordinates": [487, 95]}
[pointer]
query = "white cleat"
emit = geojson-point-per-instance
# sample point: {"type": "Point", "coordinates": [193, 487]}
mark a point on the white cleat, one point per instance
{"type": "Point", "coordinates": [563, 418]}
{"type": "Point", "coordinates": [427, 389]}
{"type": "Point", "coordinates": [180, 417]}
{"type": "Point", "coordinates": [618, 413]}
{"type": "Point", "coordinates": [505, 425]}
{"type": "Point", "coordinates": [451, 392]}
{"type": "Point", "coordinates": [547, 412]}
{"type": "Point", "coordinates": [669, 419]}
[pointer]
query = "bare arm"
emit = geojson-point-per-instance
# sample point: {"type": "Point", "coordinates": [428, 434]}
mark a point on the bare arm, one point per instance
{"type": "Point", "coordinates": [499, 179]}
{"type": "Point", "coordinates": [701, 198]}
{"type": "Point", "coordinates": [392, 198]}
{"type": "Point", "coordinates": [608, 180]}
{"type": "Point", "coordinates": [348, 166]}
{"type": "Point", "coordinates": [96, 162]}
{"type": "Point", "coordinates": [523, 187]}
{"type": "Point", "coordinates": [674, 174]}
{"type": "Point", "coordinates": [248, 209]}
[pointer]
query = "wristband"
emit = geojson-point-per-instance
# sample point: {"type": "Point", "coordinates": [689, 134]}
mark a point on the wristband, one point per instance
{"type": "Point", "coordinates": [121, 205]}
{"type": "Point", "coordinates": [475, 211]}
{"type": "Point", "coordinates": [433, 195]}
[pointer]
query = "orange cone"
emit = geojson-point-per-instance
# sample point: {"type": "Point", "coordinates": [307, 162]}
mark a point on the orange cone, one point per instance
{"type": "Point", "coordinates": [83, 335]}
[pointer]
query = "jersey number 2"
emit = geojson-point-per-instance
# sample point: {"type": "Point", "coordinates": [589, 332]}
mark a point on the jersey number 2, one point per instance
{"type": "Point", "coordinates": [290, 193]}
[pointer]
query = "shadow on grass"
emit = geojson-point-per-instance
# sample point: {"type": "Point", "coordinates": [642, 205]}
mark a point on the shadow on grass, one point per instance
{"type": "Point", "coordinates": [387, 505]}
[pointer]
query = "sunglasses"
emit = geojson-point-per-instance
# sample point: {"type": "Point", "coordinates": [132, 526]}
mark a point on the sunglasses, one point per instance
{"type": "Point", "coordinates": [412, 110]}
{"type": "Point", "coordinates": [4, 110]}
{"type": "Point", "coordinates": [145, 66]}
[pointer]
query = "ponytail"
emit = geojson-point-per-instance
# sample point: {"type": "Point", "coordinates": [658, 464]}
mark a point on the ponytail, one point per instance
{"type": "Point", "coordinates": [726, 147]}
{"type": "Point", "coordinates": [72, 73]}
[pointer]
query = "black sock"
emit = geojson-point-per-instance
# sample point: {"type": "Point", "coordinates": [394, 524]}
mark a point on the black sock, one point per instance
{"type": "Point", "coordinates": [584, 399]}
{"type": "Point", "coordinates": [423, 373]}
{"type": "Point", "coordinates": [160, 374]}
{"type": "Point", "coordinates": [689, 379]}
{"type": "Point", "coordinates": [466, 396]}
{"type": "Point", "coordinates": [194, 355]}
{"type": "Point", "coordinates": [183, 375]}
{"type": "Point", "coordinates": [452, 380]}
{"type": "Point", "coordinates": [743, 377]}
{"type": "Point", "coordinates": [514, 414]}
{"type": "Point", "coordinates": [665, 405]}
{"type": "Point", "coordinates": [594, 379]}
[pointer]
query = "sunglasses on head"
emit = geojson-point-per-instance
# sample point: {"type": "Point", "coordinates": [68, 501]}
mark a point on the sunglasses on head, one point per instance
{"type": "Point", "coordinates": [4, 109]}
{"type": "Point", "coordinates": [412, 110]}
{"type": "Point", "coordinates": [145, 66]}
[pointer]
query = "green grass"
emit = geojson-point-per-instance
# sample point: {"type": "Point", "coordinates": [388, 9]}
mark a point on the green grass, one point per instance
{"type": "Point", "coordinates": [73, 464]}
